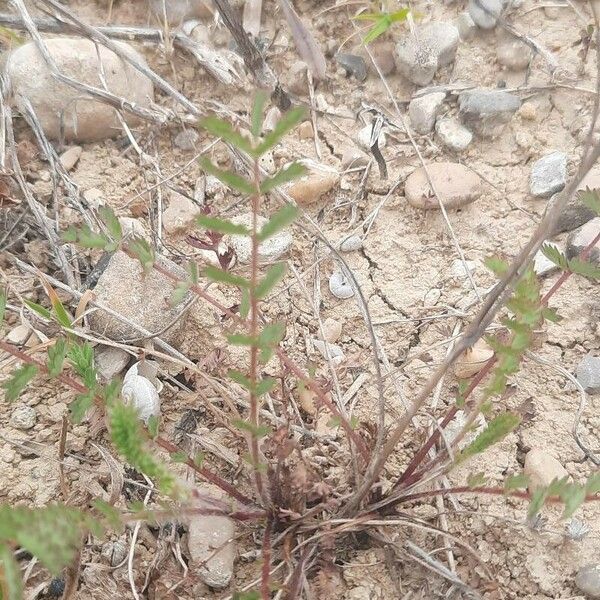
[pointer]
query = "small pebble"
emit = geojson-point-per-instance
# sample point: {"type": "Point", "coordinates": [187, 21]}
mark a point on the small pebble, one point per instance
{"type": "Point", "coordinates": [307, 400]}
{"type": "Point", "coordinates": [56, 587]}
{"type": "Point", "coordinates": [487, 112]}
{"type": "Point", "coordinates": [133, 228]}
{"type": "Point", "coordinates": [456, 184]}
{"type": "Point", "coordinates": [268, 251]}
{"type": "Point", "coordinates": [94, 197]}
{"type": "Point", "coordinates": [305, 131]}
{"type": "Point", "coordinates": [472, 360]}
{"type": "Point", "coordinates": [453, 134]}
{"type": "Point", "coordinates": [587, 580]}
{"type": "Point", "coordinates": [315, 183]}
{"type": "Point", "coordinates": [542, 468]}
{"type": "Point", "coordinates": [267, 162]}
{"type": "Point", "coordinates": [187, 140]}
{"type": "Point", "coordinates": [114, 552]}
{"type": "Point", "coordinates": [466, 26]}
{"type": "Point", "coordinates": [351, 243]}
{"type": "Point", "coordinates": [416, 60]}
{"type": "Point", "coordinates": [180, 214]}
{"type": "Point", "coordinates": [485, 13]}
{"type": "Point", "coordinates": [588, 373]}
{"type": "Point", "coordinates": [528, 111]}
{"type": "Point", "coordinates": [336, 354]}
{"type": "Point", "coordinates": [353, 65]}
{"type": "Point", "coordinates": [296, 78]}
{"type": "Point", "coordinates": [23, 417]}
{"type": "Point", "coordinates": [383, 55]}
{"type": "Point", "coordinates": [581, 238]}
{"type": "Point", "coordinates": [110, 361]}
{"type": "Point", "coordinates": [573, 215]}
{"type": "Point", "coordinates": [272, 117]}
{"type": "Point", "coordinates": [424, 110]}
{"type": "Point", "coordinates": [18, 335]}
{"type": "Point", "coordinates": [339, 285]}
{"type": "Point", "coordinates": [69, 158]}
{"type": "Point", "coordinates": [548, 175]}
{"type": "Point", "coordinates": [353, 158]}
{"type": "Point", "coordinates": [332, 330]}
{"type": "Point", "coordinates": [512, 52]}
{"type": "Point", "coordinates": [444, 38]}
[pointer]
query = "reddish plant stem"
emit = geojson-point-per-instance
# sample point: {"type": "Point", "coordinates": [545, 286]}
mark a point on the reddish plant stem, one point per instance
{"type": "Point", "coordinates": [266, 561]}
{"type": "Point", "coordinates": [407, 477]}
{"type": "Point", "coordinates": [78, 387]}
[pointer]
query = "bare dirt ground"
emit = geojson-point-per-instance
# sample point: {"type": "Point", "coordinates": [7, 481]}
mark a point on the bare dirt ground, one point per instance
{"type": "Point", "coordinates": [411, 277]}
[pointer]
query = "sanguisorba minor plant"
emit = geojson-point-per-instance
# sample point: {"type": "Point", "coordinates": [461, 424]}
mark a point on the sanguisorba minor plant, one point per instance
{"type": "Point", "coordinates": [301, 515]}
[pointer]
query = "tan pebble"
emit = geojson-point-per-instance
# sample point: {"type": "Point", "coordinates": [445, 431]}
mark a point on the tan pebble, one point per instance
{"type": "Point", "coordinates": [69, 158]}
{"type": "Point", "coordinates": [307, 399]}
{"type": "Point", "coordinates": [313, 185]}
{"type": "Point", "coordinates": [528, 111]}
{"type": "Point", "coordinates": [456, 184]}
{"type": "Point", "coordinates": [332, 330]}
{"type": "Point", "coordinates": [305, 130]}
{"type": "Point", "coordinates": [542, 468]}
{"type": "Point", "coordinates": [180, 213]}
{"type": "Point", "coordinates": [473, 360]}
{"type": "Point", "coordinates": [18, 335]}
{"type": "Point", "coordinates": [383, 55]}
{"type": "Point", "coordinates": [353, 157]}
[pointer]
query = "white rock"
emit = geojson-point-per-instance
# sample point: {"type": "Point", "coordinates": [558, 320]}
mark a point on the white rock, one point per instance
{"type": "Point", "coordinates": [453, 134]}
{"type": "Point", "coordinates": [131, 227]}
{"type": "Point", "coordinates": [542, 468]}
{"type": "Point", "coordinates": [23, 417]}
{"type": "Point", "coordinates": [84, 119]}
{"type": "Point", "coordinates": [588, 373]}
{"type": "Point", "coordinates": [512, 52]}
{"type": "Point", "coordinates": [587, 580]}
{"type": "Point", "coordinates": [94, 197]}
{"type": "Point", "coordinates": [339, 285]}
{"type": "Point", "coordinates": [148, 369]}
{"type": "Point", "coordinates": [485, 13]}
{"type": "Point", "coordinates": [110, 361]}
{"type": "Point", "coordinates": [267, 162]}
{"type": "Point", "coordinates": [310, 187]}
{"type": "Point", "coordinates": [268, 251]}
{"type": "Point", "coordinates": [424, 110]}
{"type": "Point", "coordinates": [187, 140]}
{"type": "Point", "coordinates": [364, 138]}
{"type": "Point", "coordinates": [416, 60]}
{"type": "Point", "coordinates": [466, 26]}
{"type": "Point", "coordinates": [542, 265]}
{"type": "Point", "coordinates": [271, 119]}
{"type": "Point", "coordinates": [211, 542]}
{"type": "Point", "coordinates": [579, 239]}
{"type": "Point", "coordinates": [69, 158]}
{"type": "Point", "coordinates": [457, 268]}
{"type": "Point", "coordinates": [180, 214]}
{"type": "Point", "coordinates": [351, 244]}
{"type": "Point", "coordinates": [444, 38]}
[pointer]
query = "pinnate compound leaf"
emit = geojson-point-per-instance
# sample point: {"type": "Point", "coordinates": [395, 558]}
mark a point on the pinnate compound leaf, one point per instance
{"type": "Point", "coordinates": [271, 335]}
{"type": "Point", "coordinates": [79, 407]}
{"type": "Point", "coordinates": [584, 268]}
{"type": "Point", "coordinates": [221, 276]}
{"type": "Point", "coordinates": [282, 218]}
{"type": "Point", "coordinates": [56, 357]}
{"type": "Point", "coordinates": [497, 429]}
{"type": "Point", "coordinates": [537, 502]}
{"type": "Point", "coordinates": [516, 482]}
{"type": "Point", "coordinates": [274, 275]}
{"type": "Point", "coordinates": [10, 575]}
{"type": "Point", "coordinates": [496, 265]}
{"type": "Point", "coordinates": [287, 122]}
{"type": "Point", "coordinates": [18, 381]}
{"type": "Point", "coordinates": [264, 386]}
{"type": "Point", "coordinates": [221, 225]}
{"type": "Point", "coordinates": [81, 356]}
{"type": "Point", "coordinates": [230, 179]}
{"type": "Point", "coordinates": [573, 496]}
{"type": "Point", "coordinates": [240, 378]}
{"type": "Point", "coordinates": [225, 131]}
{"type": "Point", "coordinates": [285, 175]}
{"type": "Point", "coordinates": [553, 254]}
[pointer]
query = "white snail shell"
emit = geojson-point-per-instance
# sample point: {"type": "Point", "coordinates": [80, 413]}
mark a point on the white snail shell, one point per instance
{"type": "Point", "coordinates": [140, 391]}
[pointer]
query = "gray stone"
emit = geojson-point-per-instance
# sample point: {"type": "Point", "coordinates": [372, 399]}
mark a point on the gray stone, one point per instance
{"type": "Point", "coordinates": [187, 140]}
{"type": "Point", "coordinates": [466, 26]}
{"type": "Point", "coordinates": [433, 45]}
{"type": "Point", "coordinates": [424, 110]}
{"type": "Point", "coordinates": [453, 134]}
{"type": "Point", "coordinates": [548, 175]}
{"type": "Point", "coordinates": [353, 65]}
{"type": "Point", "coordinates": [416, 60]}
{"type": "Point", "coordinates": [110, 361]}
{"type": "Point", "coordinates": [443, 37]}
{"type": "Point", "coordinates": [485, 13]}
{"type": "Point", "coordinates": [177, 11]}
{"type": "Point", "coordinates": [23, 417]}
{"type": "Point", "coordinates": [143, 298]}
{"type": "Point", "coordinates": [268, 251]}
{"type": "Point", "coordinates": [581, 238]}
{"type": "Point", "coordinates": [55, 103]}
{"type": "Point", "coordinates": [211, 542]}
{"type": "Point", "coordinates": [114, 552]}
{"type": "Point", "coordinates": [587, 580]}
{"type": "Point", "coordinates": [588, 373]}
{"type": "Point", "coordinates": [339, 285]}
{"type": "Point", "coordinates": [486, 112]}
{"type": "Point", "coordinates": [573, 215]}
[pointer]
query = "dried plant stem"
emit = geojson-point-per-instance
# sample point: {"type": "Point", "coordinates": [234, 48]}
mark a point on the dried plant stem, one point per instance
{"type": "Point", "coordinates": [266, 564]}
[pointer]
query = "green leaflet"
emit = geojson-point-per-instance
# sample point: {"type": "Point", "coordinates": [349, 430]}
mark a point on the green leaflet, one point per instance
{"type": "Point", "coordinates": [274, 275]}
{"type": "Point", "coordinates": [287, 122]}
{"type": "Point", "coordinates": [10, 575]}
{"type": "Point", "coordinates": [221, 225]}
{"type": "Point", "coordinates": [56, 357]}
{"type": "Point", "coordinates": [258, 108]}
{"type": "Point", "coordinates": [287, 174]}
{"type": "Point", "coordinates": [282, 218]}
{"type": "Point", "coordinates": [230, 179]}
{"type": "Point", "coordinates": [224, 130]}
{"type": "Point", "coordinates": [497, 429]}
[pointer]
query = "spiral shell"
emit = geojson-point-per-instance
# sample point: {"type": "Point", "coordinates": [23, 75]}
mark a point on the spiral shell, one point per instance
{"type": "Point", "coordinates": [141, 391]}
